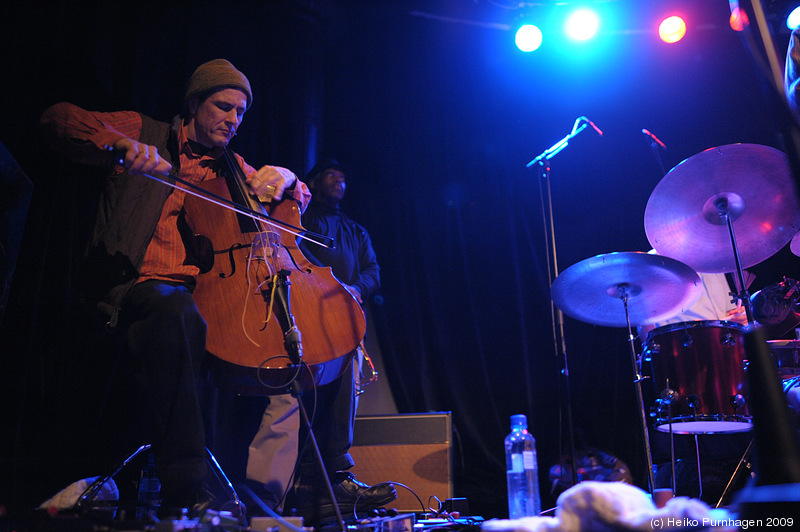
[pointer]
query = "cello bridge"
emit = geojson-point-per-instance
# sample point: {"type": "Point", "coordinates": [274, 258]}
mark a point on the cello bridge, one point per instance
{"type": "Point", "coordinates": [264, 246]}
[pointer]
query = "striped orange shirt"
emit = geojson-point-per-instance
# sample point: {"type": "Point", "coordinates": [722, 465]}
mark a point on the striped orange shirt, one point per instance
{"type": "Point", "coordinates": [165, 255]}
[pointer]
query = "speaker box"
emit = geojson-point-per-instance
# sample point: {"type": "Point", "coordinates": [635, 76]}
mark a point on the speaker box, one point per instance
{"type": "Point", "coordinates": [410, 449]}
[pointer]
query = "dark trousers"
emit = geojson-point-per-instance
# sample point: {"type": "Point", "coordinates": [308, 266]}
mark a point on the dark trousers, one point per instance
{"type": "Point", "coordinates": [332, 408]}
{"type": "Point", "coordinates": [166, 339]}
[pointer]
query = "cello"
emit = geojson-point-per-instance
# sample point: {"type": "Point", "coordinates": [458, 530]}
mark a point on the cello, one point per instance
{"type": "Point", "coordinates": [270, 312]}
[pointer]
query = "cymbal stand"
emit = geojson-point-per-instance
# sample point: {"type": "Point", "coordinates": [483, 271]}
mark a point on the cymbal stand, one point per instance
{"type": "Point", "coordinates": [724, 214]}
{"type": "Point", "coordinates": [739, 466]}
{"type": "Point", "coordinates": [670, 394]}
{"type": "Point", "coordinates": [623, 290]}
{"type": "Point", "coordinates": [557, 317]}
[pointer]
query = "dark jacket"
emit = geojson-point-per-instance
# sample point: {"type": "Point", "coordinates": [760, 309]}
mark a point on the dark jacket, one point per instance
{"type": "Point", "coordinates": [127, 214]}
{"type": "Point", "coordinates": [353, 259]}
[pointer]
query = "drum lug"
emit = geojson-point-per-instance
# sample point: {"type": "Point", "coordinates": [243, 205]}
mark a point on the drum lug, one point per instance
{"type": "Point", "coordinates": [738, 400]}
{"type": "Point", "coordinates": [654, 348]}
{"type": "Point", "coordinates": [667, 397]}
{"type": "Point", "coordinates": [687, 340]}
{"type": "Point", "coordinates": [727, 339]}
{"type": "Point", "coordinates": [693, 401]}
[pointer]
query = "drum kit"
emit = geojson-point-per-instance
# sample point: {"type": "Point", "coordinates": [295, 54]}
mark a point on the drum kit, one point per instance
{"type": "Point", "coordinates": [721, 211]}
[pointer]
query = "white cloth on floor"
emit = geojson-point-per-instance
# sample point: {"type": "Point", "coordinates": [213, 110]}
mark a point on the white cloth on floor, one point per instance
{"type": "Point", "coordinates": [615, 506]}
{"type": "Point", "coordinates": [67, 497]}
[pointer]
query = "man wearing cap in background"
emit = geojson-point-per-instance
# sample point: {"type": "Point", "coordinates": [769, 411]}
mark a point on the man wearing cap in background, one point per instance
{"type": "Point", "coordinates": [355, 265]}
{"type": "Point", "coordinates": [136, 260]}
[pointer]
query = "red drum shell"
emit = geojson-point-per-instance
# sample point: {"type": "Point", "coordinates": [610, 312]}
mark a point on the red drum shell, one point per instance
{"type": "Point", "coordinates": [703, 364]}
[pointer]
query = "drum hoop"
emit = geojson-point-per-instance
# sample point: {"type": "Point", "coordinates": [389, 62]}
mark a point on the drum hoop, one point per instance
{"type": "Point", "coordinates": [679, 423]}
{"type": "Point", "coordinates": [702, 324]}
{"type": "Point", "coordinates": [707, 418]}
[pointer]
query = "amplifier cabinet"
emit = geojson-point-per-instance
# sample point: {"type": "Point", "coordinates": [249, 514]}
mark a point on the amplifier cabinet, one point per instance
{"type": "Point", "coordinates": [410, 449]}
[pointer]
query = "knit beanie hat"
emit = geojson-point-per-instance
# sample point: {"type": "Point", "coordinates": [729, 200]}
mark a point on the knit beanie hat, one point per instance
{"type": "Point", "coordinates": [218, 73]}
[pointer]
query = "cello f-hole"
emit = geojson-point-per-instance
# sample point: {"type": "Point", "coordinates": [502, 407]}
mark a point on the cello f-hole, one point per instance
{"type": "Point", "coordinates": [230, 251]}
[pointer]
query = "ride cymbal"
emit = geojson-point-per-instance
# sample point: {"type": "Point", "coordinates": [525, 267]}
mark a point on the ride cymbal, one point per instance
{"type": "Point", "coordinates": [753, 184]}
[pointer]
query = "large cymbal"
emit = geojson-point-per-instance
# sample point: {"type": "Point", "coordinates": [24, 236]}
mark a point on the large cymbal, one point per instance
{"type": "Point", "coordinates": [682, 219]}
{"type": "Point", "coordinates": [657, 287]}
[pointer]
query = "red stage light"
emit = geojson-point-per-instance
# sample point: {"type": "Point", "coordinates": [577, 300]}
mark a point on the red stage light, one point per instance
{"type": "Point", "coordinates": [672, 29]}
{"type": "Point", "coordinates": [738, 19]}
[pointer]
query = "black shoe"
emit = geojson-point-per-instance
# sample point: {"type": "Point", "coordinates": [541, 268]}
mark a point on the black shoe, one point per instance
{"type": "Point", "coordinates": [185, 505]}
{"type": "Point", "coordinates": [314, 503]}
{"type": "Point", "coordinates": [349, 492]}
{"type": "Point", "coordinates": [198, 503]}
{"type": "Point", "coordinates": [259, 499]}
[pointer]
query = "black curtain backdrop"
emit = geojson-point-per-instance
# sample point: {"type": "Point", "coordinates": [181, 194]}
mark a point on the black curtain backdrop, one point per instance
{"type": "Point", "coordinates": [437, 117]}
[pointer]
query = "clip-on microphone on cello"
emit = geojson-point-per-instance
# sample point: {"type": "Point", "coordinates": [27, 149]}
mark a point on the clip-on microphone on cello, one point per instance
{"type": "Point", "coordinates": [291, 334]}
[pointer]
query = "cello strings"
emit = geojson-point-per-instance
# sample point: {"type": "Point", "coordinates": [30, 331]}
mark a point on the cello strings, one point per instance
{"type": "Point", "coordinates": [199, 192]}
{"type": "Point", "coordinates": [249, 293]}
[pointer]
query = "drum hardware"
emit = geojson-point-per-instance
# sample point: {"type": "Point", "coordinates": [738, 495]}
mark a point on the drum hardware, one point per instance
{"type": "Point", "coordinates": [727, 339]}
{"type": "Point", "coordinates": [738, 400]}
{"type": "Point", "coordinates": [693, 402]}
{"type": "Point", "coordinates": [649, 287]}
{"type": "Point", "coordinates": [666, 398]}
{"type": "Point", "coordinates": [775, 307]}
{"type": "Point", "coordinates": [742, 462]}
{"type": "Point", "coordinates": [786, 354]}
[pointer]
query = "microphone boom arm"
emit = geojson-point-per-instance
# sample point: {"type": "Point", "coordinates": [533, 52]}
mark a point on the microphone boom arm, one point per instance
{"type": "Point", "coordinates": [580, 124]}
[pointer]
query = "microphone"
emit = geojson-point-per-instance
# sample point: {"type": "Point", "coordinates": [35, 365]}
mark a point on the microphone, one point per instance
{"type": "Point", "coordinates": [593, 126]}
{"type": "Point", "coordinates": [654, 139]}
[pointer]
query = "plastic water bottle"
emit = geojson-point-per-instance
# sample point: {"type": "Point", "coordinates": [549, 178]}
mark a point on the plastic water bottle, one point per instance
{"type": "Point", "coordinates": [522, 472]}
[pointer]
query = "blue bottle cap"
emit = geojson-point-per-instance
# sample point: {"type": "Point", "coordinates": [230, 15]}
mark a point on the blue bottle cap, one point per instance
{"type": "Point", "coordinates": [519, 420]}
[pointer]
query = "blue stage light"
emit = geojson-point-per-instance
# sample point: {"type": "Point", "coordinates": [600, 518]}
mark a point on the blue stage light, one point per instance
{"type": "Point", "coordinates": [793, 20]}
{"type": "Point", "coordinates": [528, 38]}
{"type": "Point", "coordinates": [582, 24]}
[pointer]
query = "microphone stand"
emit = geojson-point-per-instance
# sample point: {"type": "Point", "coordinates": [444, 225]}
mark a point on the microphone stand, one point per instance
{"type": "Point", "coordinates": [294, 349]}
{"type": "Point", "coordinates": [657, 154]}
{"type": "Point", "coordinates": [552, 151]}
{"type": "Point", "coordinates": [557, 316]}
